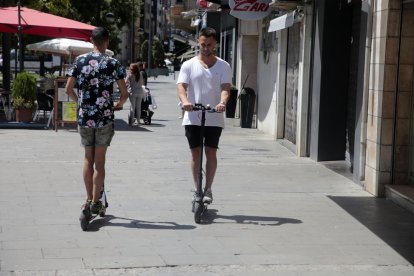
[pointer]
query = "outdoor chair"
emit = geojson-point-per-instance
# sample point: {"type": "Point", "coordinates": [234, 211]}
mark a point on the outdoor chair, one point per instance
{"type": "Point", "coordinates": [45, 104]}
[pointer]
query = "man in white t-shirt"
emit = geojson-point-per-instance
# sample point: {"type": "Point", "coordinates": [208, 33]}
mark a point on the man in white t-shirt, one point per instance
{"type": "Point", "coordinates": [204, 79]}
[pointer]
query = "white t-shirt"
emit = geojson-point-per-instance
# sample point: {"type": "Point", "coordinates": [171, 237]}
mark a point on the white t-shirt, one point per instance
{"type": "Point", "coordinates": [204, 86]}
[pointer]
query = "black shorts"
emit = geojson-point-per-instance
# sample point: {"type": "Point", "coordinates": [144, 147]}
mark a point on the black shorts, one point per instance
{"type": "Point", "coordinates": [211, 136]}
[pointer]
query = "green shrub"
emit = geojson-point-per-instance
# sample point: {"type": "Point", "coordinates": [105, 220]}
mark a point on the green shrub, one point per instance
{"type": "Point", "coordinates": [24, 91]}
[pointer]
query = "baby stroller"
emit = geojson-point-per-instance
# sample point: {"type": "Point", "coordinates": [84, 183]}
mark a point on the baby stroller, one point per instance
{"type": "Point", "coordinates": [146, 103]}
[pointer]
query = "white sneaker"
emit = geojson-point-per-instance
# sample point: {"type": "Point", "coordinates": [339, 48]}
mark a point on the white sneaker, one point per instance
{"type": "Point", "coordinates": [208, 197]}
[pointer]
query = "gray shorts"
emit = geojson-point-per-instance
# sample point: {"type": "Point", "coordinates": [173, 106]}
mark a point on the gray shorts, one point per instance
{"type": "Point", "coordinates": [92, 137]}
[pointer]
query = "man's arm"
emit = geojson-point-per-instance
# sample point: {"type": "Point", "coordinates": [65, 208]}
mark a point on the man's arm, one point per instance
{"type": "Point", "coordinates": [124, 94]}
{"type": "Point", "coordinates": [182, 94]}
{"type": "Point", "coordinates": [70, 84]}
{"type": "Point", "coordinates": [224, 97]}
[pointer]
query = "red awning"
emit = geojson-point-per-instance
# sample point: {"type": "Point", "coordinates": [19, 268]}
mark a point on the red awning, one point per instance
{"type": "Point", "coordinates": [34, 22]}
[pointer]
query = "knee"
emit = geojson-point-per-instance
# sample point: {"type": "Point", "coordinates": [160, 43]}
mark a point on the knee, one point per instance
{"type": "Point", "coordinates": [210, 152]}
{"type": "Point", "coordinates": [195, 153]}
{"type": "Point", "coordinates": [88, 163]}
{"type": "Point", "coordinates": [99, 168]}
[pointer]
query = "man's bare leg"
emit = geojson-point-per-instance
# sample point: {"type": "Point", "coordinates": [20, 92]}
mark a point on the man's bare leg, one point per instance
{"type": "Point", "coordinates": [88, 171]}
{"type": "Point", "coordinates": [195, 153]}
{"type": "Point", "coordinates": [211, 166]}
{"type": "Point", "coordinates": [99, 173]}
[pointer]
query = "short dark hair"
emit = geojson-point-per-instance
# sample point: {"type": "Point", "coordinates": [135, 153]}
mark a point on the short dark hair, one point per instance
{"type": "Point", "coordinates": [99, 35]}
{"type": "Point", "coordinates": [208, 32]}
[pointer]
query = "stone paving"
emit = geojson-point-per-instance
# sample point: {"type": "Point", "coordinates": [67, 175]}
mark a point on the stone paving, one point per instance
{"type": "Point", "coordinates": [273, 213]}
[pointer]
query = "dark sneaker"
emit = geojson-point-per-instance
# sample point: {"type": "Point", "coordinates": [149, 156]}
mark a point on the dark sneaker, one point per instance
{"type": "Point", "coordinates": [96, 207]}
{"type": "Point", "coordinates": [196, 196]}
{"type": "Point", "coordinates": [87, 204]}
{"type": "Point", "coordinates": [208, 197]}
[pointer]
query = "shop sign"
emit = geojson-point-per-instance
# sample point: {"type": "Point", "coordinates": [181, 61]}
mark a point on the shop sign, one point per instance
{"type": "Point", "coordinates": [249, 9]}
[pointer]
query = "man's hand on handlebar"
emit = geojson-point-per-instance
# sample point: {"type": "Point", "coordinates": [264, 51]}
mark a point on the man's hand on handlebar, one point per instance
{"type": "Point", "coordinates": [221, 107]}
{"type": "Point", "coordinates": [187, 106]}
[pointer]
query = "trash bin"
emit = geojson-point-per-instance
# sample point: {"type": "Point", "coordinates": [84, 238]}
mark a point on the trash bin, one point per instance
{"type": "Point", "coordinates": [247, 102]}
{"type": "Point", "coordinates": [231, 103]}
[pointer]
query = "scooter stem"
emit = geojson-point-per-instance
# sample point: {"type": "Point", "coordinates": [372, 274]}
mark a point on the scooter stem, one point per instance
{"type": "Point", "coordinates": [200, 165]}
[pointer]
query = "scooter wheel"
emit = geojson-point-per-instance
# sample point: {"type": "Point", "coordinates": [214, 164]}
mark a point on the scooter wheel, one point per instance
{"type": "Point", "coordinates": [84, 219]}
{"type": "Point", "coordinates": [198, 211]}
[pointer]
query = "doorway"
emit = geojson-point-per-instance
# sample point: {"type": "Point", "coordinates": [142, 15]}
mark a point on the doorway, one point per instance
{"type": "Point", "coordinates": [292, 82]}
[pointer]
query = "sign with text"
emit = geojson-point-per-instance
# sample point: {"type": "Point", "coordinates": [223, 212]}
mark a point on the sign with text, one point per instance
{"type": "Point", "coordinates": [249, 9]}
{"type": "Point", "coordinates": [69, 111]}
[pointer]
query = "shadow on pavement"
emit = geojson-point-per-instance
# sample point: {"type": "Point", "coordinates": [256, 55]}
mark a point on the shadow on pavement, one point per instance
{"type": "Point", "coordinates": [213, 215]}
{"type": "Point", "coordinates": [106, 221]}
{"type": "Point", "coordinates": [121, 125]}
{"type": "Point", "coordinates": [389, 222]}
{"type": "Point", "coordinates": [19, 125]}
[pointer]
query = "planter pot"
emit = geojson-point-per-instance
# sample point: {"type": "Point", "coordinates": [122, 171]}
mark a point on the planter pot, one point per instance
{"type": "Point", "coordinates": [24, 115]}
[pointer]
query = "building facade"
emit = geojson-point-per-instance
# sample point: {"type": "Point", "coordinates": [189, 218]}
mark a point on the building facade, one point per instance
{"type": "Point", "coordinates": [334, 82]}
{"type": "Point", "coordinates": [340, 88]}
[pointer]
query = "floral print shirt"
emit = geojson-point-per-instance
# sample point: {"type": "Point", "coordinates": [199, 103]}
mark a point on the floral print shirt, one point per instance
{"type": "Point", "coordinates": [95, 75]}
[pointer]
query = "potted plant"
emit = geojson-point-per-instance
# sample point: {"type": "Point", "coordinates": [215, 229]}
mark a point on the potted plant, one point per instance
{"type": "Point", "coordinates": [24, 96]}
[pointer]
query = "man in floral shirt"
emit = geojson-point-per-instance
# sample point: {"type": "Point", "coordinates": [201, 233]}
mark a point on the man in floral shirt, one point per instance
{"type": "Point", "coordinates": [94, 74]}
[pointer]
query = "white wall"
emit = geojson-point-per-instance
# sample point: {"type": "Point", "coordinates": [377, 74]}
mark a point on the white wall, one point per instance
{"type": "Point", "coordinates": [266, 94]}
{"type": "Point", "coordinates": [247, 48]}
{"type": "Point", "coordinates": [267, 73]}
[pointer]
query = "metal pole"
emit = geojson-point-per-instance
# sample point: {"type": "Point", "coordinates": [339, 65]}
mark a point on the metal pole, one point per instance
{"type": "Point", "coordinates": [19, 34]}
{"type": "Point", "coordinates": [149, 45]}
{"type": "Point", "coordinates": [133, 33]}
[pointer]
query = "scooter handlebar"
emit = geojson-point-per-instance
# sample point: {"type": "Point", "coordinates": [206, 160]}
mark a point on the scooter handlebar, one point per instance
{"type": "Point", "coordinates": [200, 107]}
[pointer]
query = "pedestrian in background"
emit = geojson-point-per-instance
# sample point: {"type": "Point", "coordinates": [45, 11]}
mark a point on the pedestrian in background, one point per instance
{"type": "Point", "coordinates": [94, 74]}
{"type": "Point", "coordinates": [204, 79]}
{"type": "Point", "coordinates": [135, 83]}
{"type": "Point", "coordinates": [143, 73]}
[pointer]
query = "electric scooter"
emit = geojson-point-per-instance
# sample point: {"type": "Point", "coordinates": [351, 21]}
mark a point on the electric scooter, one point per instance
{"type": "Point", "coordinates": [86, 215]}
{"type": "Point", "coordinates": [199, 207]}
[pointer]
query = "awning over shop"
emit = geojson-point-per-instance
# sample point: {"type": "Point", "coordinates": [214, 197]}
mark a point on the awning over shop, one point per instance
{"type": "Point", "coordinates": [281, 22]}
{"type": "Point", "coordinates": [187, 55]}
{"type": "Point", "coordinates": [184, 40]}
{"type": "Point", "coordinates": [285, 21]}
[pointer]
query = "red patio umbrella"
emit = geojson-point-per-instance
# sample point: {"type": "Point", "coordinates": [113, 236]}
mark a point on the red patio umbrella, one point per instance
{"type": "Point", "coordinates": [34, 22]}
